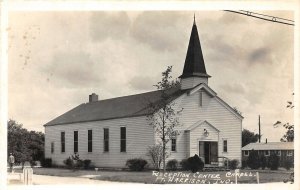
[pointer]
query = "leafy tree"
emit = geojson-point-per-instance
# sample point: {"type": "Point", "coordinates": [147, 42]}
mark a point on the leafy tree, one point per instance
{"type": "Point", "coordinates": [163, 117]}
{"type": "Point", "coordinates": [249, 137]}
{"type": "Point", "coordinates": [273, 161]}
{"type": "Point", "coordinates": [25, 145]}
{"type": "Point", "coordinates": [289, 135]}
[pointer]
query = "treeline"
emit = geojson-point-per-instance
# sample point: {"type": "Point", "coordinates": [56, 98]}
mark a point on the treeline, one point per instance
{"type": "Point", "coordinates": [25, 145]}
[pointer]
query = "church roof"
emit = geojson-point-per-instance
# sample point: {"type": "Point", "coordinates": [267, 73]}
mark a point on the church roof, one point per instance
{"type": "Point", "coordinates": [120, 107]}
{"type": "Point", "coordinates": [194, 62]}
{"type": "Point", "coordinates": [270, 146]}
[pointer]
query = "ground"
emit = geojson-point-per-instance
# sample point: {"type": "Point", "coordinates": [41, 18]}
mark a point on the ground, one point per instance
{"type": "Point", "coordinates": [66, 176]}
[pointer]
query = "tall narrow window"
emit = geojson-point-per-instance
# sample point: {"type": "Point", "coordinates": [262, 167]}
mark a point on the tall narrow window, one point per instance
{"type": "Point", "coordinates": [173, 144]}
{"type": "Point", "coordinates": [224, 145]}
{"type": "Point", "coordinates": [90, 141]}
{"type": "Point", "coordinates": [75, 141]}
{"type": "Point", "coordinates": [200, 98]}
{"type": "Point", "coordinates": [123, 139]}
{"type": "Point", "coordinates": [106, 140]}
{"type": "Point", "coordinates": [52, 147]}
{"type": "Point", "coordinates": [62, 140]}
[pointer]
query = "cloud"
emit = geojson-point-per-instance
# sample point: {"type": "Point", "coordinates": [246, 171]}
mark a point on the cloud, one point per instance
{"type": "Point", "coordinates": [113, 25]}
{"type": "Point", "coordinates": [260, 55]}
{"type": "Point", "coordinates": [165, 35]}
{"type": "Point", "coordinates": [233, 88]}
{"type": "Point", "coordinates": [142, 83]}
{"type": "Point", "coordinates": [72, 69]}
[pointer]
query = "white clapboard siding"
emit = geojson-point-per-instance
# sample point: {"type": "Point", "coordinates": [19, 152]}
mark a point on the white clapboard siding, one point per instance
{"type": "Point", "coordinates": [139, 136]}
{"type": "Point", "coordinates": [214, 112]}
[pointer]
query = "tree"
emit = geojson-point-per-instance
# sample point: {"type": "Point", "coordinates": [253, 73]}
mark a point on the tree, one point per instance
{"type": "Point", "coordinates": [289, 135]}
{"type": "Point", "coordinates": [162, 116]}
{"type": "Point", "coordinates": [253, 160]}
{"type": "Point", "coordinates": [249, 137]}
{"type": "Point", "coordinates": [25, 145]}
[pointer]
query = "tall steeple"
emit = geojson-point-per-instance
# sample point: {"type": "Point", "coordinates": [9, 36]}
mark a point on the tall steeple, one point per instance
{"type": "Point", "coordinates": [194, 71]}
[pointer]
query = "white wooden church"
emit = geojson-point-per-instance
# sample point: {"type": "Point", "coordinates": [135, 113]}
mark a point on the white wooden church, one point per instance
{"type": "Point", "coordinates": [111, 131]}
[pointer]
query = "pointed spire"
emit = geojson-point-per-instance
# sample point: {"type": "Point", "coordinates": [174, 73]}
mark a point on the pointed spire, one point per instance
{"type": "Point", "coordinates": [194, 63]}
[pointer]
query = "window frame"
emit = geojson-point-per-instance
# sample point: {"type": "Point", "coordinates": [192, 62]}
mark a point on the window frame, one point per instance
{"type": "Point", "coordinates": [62, 141]}
{"type": "Point", "coordinates": [289, 153]}
{"type": "Point", "coordinates": [266, 151]}
{"type": "Point", "coordinates": [278, 151]}
{"type": "Point", "coordinates": [245, 152]}
{"type": "Point", "coordinates": [225, 146]}
{"type": "Point", "coordinates": [52, 146]}
{"type": "Point", "coordinates": [173, 144]}
{"type": "Point", "coordinates": [75, 141]}
{"type": "Point", "coordinates": [123, 139]}
{"type": "Point", "coordinates": [105, 140]}
{"type": "Point", "coordinates": [90, 141]}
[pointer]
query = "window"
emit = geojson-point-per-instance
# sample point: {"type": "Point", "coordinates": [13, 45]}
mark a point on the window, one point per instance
{"type": "Point", "coordinates": [267, 153]}
{"type": "Point", "coordinates": [289, 153]}
{"type": "Point", "coordinates": [278, 152]}
{"type": "Point", "coordinates": [75, 141]}
{"type": "Point", "coordinates": [62, 140]}
{"type": "Point", "coordinates": [106, 140]}
{"type": "Point", "coordinates": [200, 98]}
{"type": "Point", "coordinates": [173, 144]}
{"type": "Point", "coordinates": [90, 141]}
{"type": "Point", "coordinates": [246, 153]}
{"type": "Point", "coordinates": [123, 139]}
{"type": "Point", "coordinates": [224, 145]}
{"type": "Point", "coordinates": [52, 147]}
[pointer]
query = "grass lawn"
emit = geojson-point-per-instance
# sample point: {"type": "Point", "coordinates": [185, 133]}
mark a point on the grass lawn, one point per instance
{"type": "Point", "coordinates": [147, 177]}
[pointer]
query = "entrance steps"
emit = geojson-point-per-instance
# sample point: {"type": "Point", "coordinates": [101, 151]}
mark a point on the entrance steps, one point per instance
{"type": "Point", "coordinates": [210, 167]}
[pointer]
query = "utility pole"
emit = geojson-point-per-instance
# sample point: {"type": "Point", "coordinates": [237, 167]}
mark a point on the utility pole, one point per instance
{"type": "Point", "coordinates": [259, 128]}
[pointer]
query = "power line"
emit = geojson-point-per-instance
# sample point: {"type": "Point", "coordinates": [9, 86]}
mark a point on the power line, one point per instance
{"type": "Point", "coordinates": [264, 17]}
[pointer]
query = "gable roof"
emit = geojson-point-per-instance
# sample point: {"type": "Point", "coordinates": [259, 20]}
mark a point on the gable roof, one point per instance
{"type": "Point", "coordinates": [270, 146]}
{"type": "Point", "coordinates": [120, 107]}
{"type": "Point", "coordinates": [198, 123]}
{"type": "Point", "coordinates": [194, 61]}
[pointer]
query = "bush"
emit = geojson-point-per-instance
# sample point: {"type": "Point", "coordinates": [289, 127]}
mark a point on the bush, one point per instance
{"type": "Point", "coordinates": [184, 164]}
{"type": "Point", "coordinates": [46, 162]}
{"type": "Point", "coordinates": [273, 161]}
{"type": "Point", "coordinates": [287, 164]}
{"type": "Point", "coordinates": [86, 164]}
{"type": "Point", "coordinates": [244, 164]}
{"type": "Point", "coordinates": [193, 163]}
{"type": "Point", "coordinates": [156, 154]}
{"type": "Point", "coordinates": [69, 163]}
{"type": "Point", "coordinates": [263, 162]}
{"type": "Point", "coordinates": [232, 164]}
{"type": "Point", "coordinates": [172, 165]}
{"type": "Point", "coordinates": [136, 164]}
{"type": "Point", "coordinates": [253, 160]}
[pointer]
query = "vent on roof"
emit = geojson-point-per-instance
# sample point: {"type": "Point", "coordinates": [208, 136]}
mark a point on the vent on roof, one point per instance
{"type": "Point", "coordinates": [93, 97]}
{"type": "Point", "coordinates": [266, 140]}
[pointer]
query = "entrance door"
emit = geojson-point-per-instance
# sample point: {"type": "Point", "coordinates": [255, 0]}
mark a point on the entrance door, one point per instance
{"type": "Point", "coordinates": [209, 151]}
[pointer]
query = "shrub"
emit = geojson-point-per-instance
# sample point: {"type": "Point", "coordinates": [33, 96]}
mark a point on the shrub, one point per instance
{"type": "Point", "coordinates": [86, 164]}
{"type": "Point", "coordinates": [244, 164]}
{"type": "Point", "coordinates": [193, 163]}
{"type": "Point", "coordinates": [172, 165]}
{"type": "Point", "coordinates": [273, 161]}
{"type": "Point", "coordinates": [253, 160]}
{"type": "Point", "coordinates": [263, 162]}
{"type": "Point", "coordinates": [184, 164]}
{"type": "Point", "coordinates": [136, 164]}
{"type": "Point", "coordinates": [46, 162]}
{"type": "Point", "coordinates": [287, 164]}
{"type": "Point", "coordinates": [232, 164]}
{"type": "Point", "coordinates": [69, 163]}
{"type": "Point", "coordinates": [156, 154]}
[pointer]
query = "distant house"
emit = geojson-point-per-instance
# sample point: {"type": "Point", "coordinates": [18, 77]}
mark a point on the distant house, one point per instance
{"type": "Point", "coordinates": [285, 150]}
{"type": "Point", "coordinates": [111, 131]}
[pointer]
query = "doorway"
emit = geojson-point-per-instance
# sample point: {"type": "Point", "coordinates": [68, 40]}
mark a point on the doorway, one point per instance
{"type": "Point", "coordinates": [208, 150]}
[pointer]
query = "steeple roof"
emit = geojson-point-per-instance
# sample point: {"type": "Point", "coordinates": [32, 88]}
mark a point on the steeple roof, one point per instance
{"type": "Point", "coordinates": [194, 63]}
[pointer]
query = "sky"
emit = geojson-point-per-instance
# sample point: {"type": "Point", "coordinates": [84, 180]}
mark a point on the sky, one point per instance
{"type": "Point", "coordinates": [56, 59]}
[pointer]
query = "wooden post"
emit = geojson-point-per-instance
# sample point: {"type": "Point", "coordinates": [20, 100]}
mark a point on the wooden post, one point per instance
{"type": "Point", "coordinates": [257, 177]}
